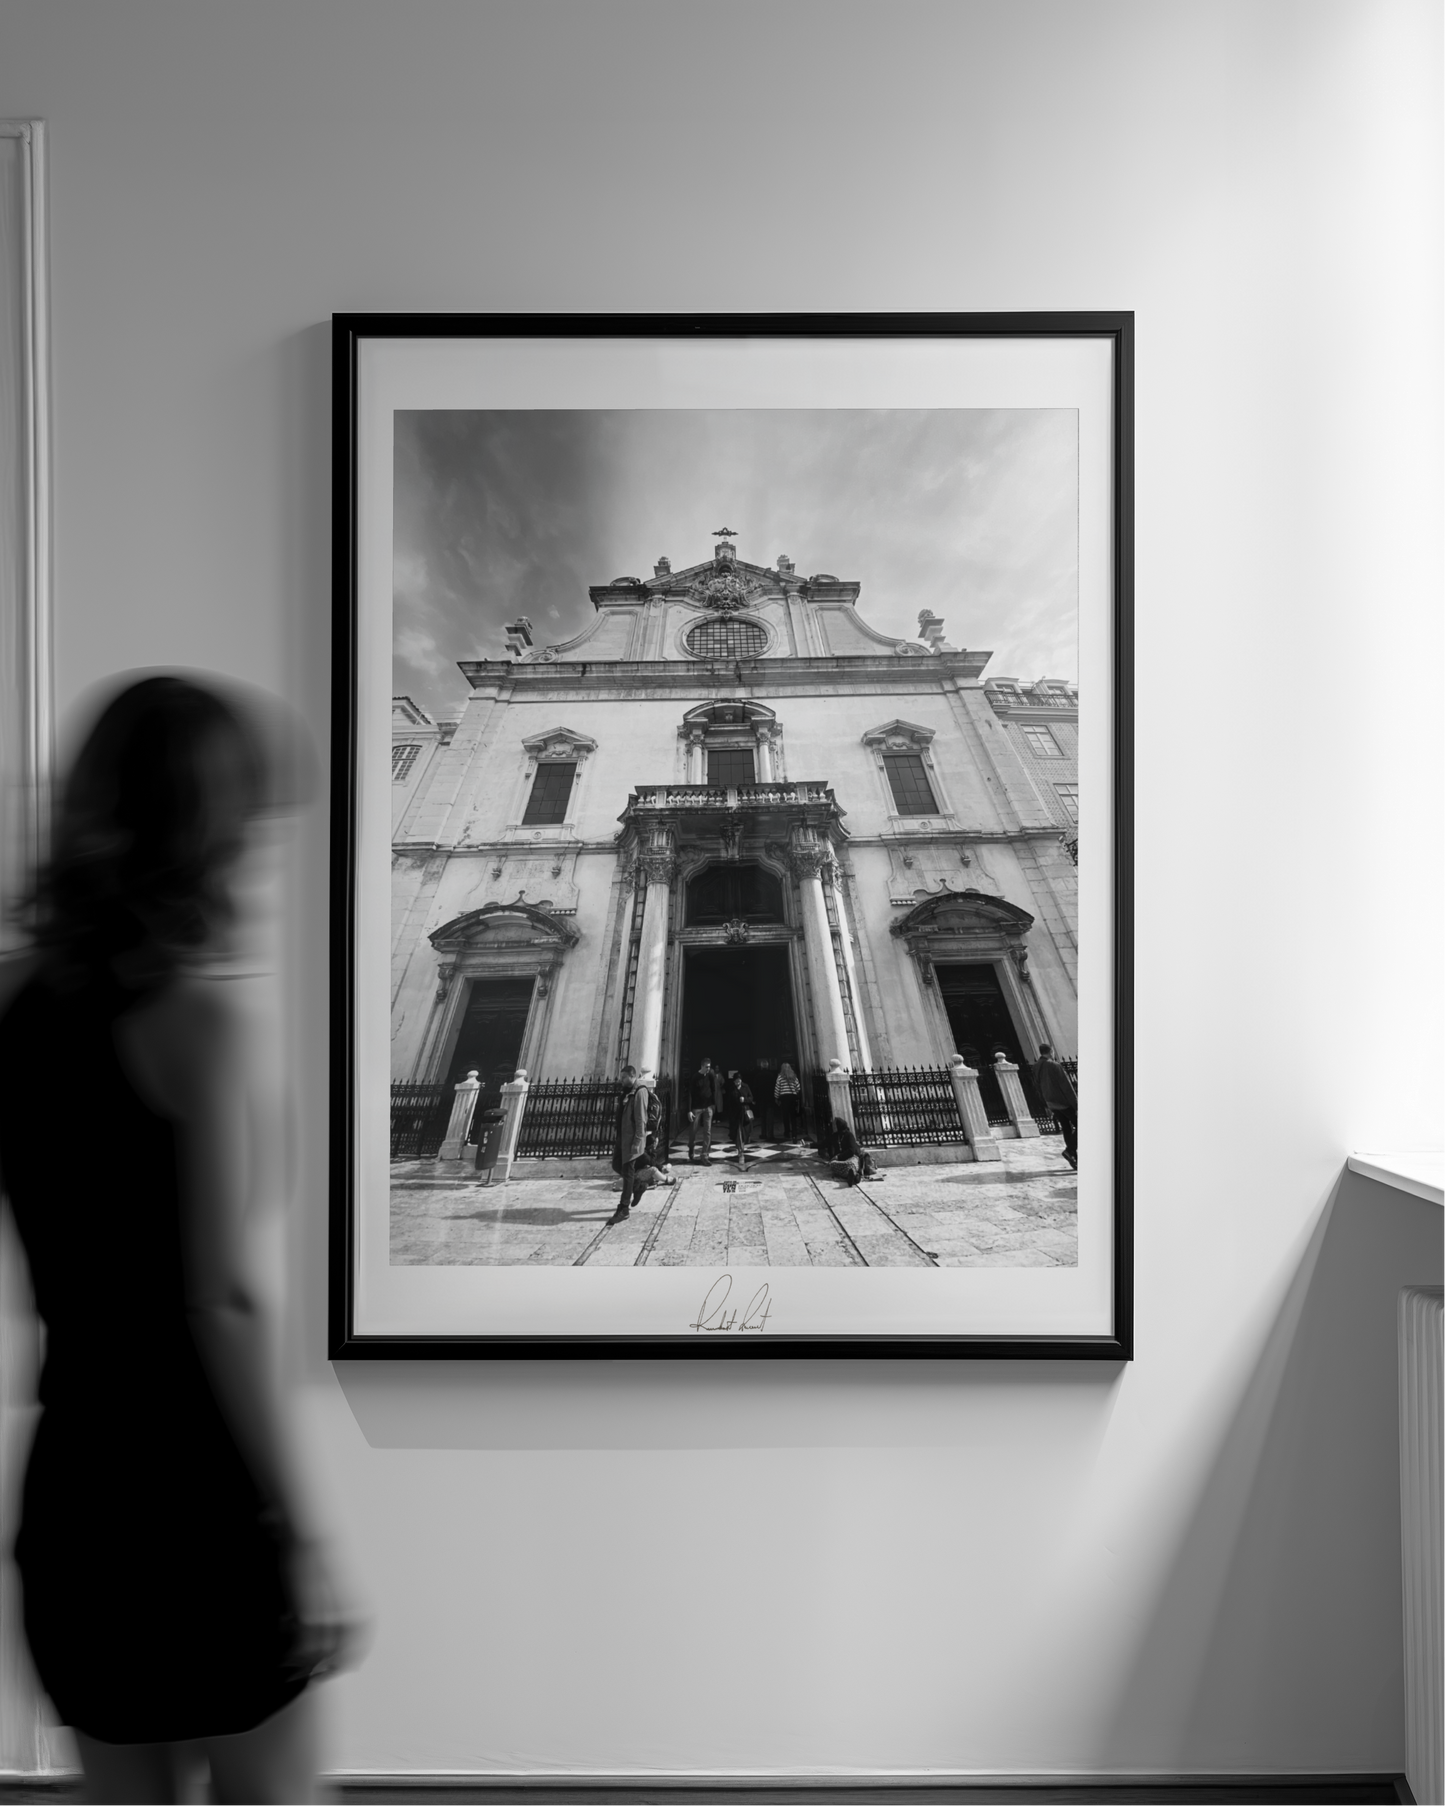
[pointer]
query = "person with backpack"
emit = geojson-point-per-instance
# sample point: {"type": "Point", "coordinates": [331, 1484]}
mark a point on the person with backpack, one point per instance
{"type": "Point", "coordinates": [638, 1114]}
{"type": "Point", "coordinates": [1060, 1099]}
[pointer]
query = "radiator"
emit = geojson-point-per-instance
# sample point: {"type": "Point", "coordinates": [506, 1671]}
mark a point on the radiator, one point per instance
{"type": "Point", "coordinates": [1422, 1535]}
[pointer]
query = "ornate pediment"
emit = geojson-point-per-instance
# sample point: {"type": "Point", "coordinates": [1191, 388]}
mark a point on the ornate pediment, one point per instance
{"type": "Point", "coordinates": [560, 743]}
{"type": "Point", "coordinates": [516, 924]}
{"type": "Point", "coordinates": [899, 736]}
{"type": "Point", "coordinates": [967, 913]}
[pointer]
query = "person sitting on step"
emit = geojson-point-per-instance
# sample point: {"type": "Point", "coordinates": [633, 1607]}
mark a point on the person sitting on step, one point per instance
{"type": "Point", "coordinates": [851, 1162]}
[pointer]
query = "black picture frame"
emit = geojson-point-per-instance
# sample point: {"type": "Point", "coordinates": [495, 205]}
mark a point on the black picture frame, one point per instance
{"type": "Point", "coordinates": [351, 333]}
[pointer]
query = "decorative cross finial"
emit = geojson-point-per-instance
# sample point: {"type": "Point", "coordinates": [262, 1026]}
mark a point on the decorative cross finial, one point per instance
{"type": "Point", "coordinates": [723, 533]}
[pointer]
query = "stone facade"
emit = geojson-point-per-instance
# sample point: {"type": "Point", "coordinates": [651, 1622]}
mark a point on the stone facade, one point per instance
{"type": "Point", "coordinates": [812, 727]}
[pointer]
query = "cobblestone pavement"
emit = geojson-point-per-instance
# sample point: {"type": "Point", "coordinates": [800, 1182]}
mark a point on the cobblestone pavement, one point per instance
{"type": "Point", "coordinates": [785, 1212]}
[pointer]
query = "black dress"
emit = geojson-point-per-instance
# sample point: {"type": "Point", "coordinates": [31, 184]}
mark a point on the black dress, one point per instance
{"type": "Point", "coordinates": [155, 1601]}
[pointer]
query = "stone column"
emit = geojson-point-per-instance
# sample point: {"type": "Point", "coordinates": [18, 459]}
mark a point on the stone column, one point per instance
{"type": "Point", "coordinates": [850, 968]}
{"type": "Point", "coordinates": [840, 1098]}
{"type": "Point", "coordinates": [696, 762]}
{"type": "Point", "coordinates": [765, 756]}
{"type": "Point", "coordinates": [514, 1102]}
{"type": "Point", "coordinates": [645, 1048]}
{"type": "Point", "coordinates": [832, 1025]}
{"type": "Point", "coordinates": [971, 1111]}
{"type": "Point", "coordinates": [1014, 1100]}
{"type": "Point", "coordinates": [459, 1127]}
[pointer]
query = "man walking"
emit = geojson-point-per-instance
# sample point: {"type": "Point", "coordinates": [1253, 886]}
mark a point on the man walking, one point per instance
{"type": "Point", "coordinates": [705, 1102]}
{"type": "Point", "coordinates": [739, 1105]}
{"type": "Point", "coordinates": [632, 1122]}
{"type": "Point", "coordinates": [1060, 1100]}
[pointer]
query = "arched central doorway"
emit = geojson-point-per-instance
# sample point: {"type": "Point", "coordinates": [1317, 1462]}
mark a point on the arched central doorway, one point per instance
{"type": "Point", "coordinates": [737, 982]}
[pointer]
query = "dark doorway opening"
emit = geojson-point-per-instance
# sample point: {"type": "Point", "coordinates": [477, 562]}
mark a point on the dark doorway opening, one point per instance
{"type": "Point", "coordinates": [490, 1038]}
{"type": "Point", "coordinates": [737, 1009]}
{"type": "Point", "coordinates": [978, 1014]}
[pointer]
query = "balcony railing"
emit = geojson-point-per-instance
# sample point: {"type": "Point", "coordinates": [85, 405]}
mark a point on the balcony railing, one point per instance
{"type": "Point", "coordinates": [731, 796]}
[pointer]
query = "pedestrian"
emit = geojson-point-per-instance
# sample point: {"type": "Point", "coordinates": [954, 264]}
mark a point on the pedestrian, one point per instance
{"type": "Point", "coordinates": [1056, 1089]}
{"type": "Point", "coordinates": [489, 1142]}
{"type": "Point", "coordinates": [741, 1115]}
{"type": "Point", "coordinates": [177, 1596]}
{"type": "Point", "coordinates": [851, 1162]}
{"type": "Point", "coordinates": [706, 1101]}
{"type": "Point", "coordinates": [633, 1112]}
{"type": "Point", "coordinates": [788, 1096]}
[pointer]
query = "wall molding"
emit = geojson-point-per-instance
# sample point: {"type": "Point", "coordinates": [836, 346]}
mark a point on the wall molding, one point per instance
{"type": "Point", "coordinates": [26, 747]}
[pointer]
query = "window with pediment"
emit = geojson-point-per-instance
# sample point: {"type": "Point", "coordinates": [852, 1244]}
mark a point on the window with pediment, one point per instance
{"type": "Point", "coordinates": [552, 779]}
{"type": "Point", "coordinates": [910, 779]}
{"type": "Point", "coordinates": [729, 744]}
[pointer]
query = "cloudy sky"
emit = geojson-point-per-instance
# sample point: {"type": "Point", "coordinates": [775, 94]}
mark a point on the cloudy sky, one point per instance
{"type": "Point", "coordinates": [972, 513]}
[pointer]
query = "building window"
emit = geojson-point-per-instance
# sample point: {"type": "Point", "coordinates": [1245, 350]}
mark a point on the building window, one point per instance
{"type": "Point", "coordinates": [727, 639]}
{"type": "Point", "coordinates": [547, 805]}
{"type": "Point", "coordinates": [912, 793]}
{"type": "Point", "coordinates": [730, 765]}
{"type": "Point", "coordinates": [1042, 743]}
{"type": "Point", "coordinates": [402, 760]}
{"type": "Point", "coordinates": [1069, 797]}
{"type": "Point", "coordinates": [727, 893]}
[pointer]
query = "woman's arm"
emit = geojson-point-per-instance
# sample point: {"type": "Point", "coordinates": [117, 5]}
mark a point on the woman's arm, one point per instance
{"type": "Point", "coordinates": [188, 1054]}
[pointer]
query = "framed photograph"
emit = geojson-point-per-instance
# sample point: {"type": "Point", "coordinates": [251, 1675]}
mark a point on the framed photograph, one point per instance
{"type": "Point", "coordinates": [732, 836]}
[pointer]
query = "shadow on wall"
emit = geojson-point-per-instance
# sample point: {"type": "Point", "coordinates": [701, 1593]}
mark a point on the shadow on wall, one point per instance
{"type": "Point", "coordinates": [1278, 1627]}
{"type": "Point", "coordinates": [607, 1404]}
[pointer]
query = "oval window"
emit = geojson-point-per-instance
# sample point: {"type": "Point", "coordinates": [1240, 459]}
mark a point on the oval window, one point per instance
{"type": "Point", "coordinates": [727, 639]}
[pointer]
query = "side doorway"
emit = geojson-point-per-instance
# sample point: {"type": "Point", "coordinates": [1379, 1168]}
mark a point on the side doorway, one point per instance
{"type": "Point", "coordinates": [983, 1026]}
{"type": "Point", "coordinates": [489, 1040]}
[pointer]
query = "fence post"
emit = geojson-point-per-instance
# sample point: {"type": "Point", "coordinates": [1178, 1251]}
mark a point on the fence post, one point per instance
{"type": "Point", "coordinates": [840, 1098]}
{"type": "Point", "coordinates": [971, 1111]}
{"type": "Point", "coordinates": [1014, 1100]}
{"type": "Point", "coordinates": [460, 1125]}
{"type": "Point", "coordinates": [514, 1102]}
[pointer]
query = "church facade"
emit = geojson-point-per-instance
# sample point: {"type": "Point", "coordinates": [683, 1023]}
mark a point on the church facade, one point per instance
{"type": "Point", "coordinates": [732, 819]}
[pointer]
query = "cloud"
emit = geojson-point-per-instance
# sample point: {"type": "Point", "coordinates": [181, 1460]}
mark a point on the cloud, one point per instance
{"type": "Point", "coordinates": [972, 513]}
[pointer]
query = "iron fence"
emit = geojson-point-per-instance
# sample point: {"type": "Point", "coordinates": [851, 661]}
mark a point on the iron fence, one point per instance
{"type": "Point", "coordinates": [905, 1107]}
{"type": "Point", "coordinates": [576, 1119]}
{"type": "Point", "coordinates": [419, 1117]}
{"type": "Point", "coordinates": [570, 1119]}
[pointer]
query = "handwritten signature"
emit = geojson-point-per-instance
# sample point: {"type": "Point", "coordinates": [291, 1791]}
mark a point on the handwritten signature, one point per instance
{"type": "Point", "coordinates": [714, 1317]}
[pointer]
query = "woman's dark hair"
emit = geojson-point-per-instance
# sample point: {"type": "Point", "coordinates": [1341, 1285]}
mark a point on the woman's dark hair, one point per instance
{"type": "Point", "coordinates": [153, 815]}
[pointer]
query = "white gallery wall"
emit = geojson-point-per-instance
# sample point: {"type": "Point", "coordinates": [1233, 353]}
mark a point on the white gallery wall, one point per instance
{"type": "Point", "coordinates": [1192, 1562]}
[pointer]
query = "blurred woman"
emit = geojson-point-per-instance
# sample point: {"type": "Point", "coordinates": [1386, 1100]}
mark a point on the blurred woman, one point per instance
{"type": "Point", "coordinates": [175, 1588]}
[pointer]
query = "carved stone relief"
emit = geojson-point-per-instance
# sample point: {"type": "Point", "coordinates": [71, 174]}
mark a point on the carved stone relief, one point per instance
{"type": "Point", "coordinates": [918, 869]}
